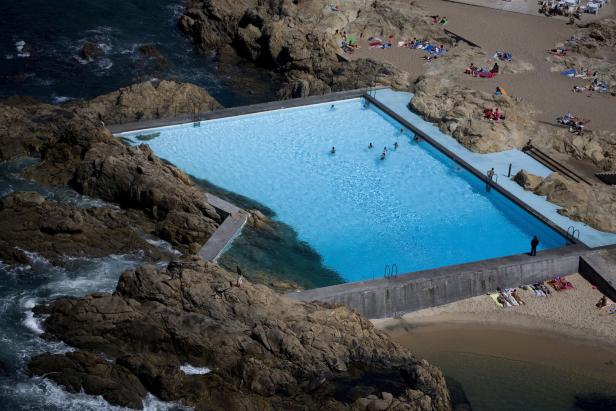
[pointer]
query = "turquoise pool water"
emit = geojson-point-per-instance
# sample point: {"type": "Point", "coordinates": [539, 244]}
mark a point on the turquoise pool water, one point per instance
{"type": "Point", "coordinates": [416, 208]}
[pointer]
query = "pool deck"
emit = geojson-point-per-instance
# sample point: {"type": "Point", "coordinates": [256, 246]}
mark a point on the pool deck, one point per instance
{"type": "Point", "coordinates": [398, 103]}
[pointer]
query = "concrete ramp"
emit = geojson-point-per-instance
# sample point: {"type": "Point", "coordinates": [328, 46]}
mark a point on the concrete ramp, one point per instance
{"type": "Point", "coordinates": [228, 230]}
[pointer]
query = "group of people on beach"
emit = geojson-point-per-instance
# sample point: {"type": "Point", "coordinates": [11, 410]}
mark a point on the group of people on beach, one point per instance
{"type": "Point", "coordinates": [493, 114]}
{"type": "Point", "coordinates": [508, 297]}
{"type": "Point", "coordinates": [576, 125]}
{"type": "Point", "coordinates": [477, 71]}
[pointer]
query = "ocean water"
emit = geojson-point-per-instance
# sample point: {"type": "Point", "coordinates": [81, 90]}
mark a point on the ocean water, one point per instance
{"type": "Point", "coordinates": [416, 209]}
{"type": "Point", "coordinates": [24, 286]}
{"type": "Point", "coordinates": [49, 67]}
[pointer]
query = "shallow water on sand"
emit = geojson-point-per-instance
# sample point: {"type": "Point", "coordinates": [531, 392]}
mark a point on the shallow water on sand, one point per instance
{"type": "Point", "coordinates": [503, 369]}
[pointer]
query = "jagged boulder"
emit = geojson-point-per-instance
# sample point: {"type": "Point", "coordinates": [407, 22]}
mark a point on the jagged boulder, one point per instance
{"type": "Point", "coordinates": [527, 181]}
{"type": "Point", "coordinates": [298, 39]}
{"type": "Point", "coordinates": [54, 230]}
{"type": "Point", "coordinates": [90, 51]}
{"type": "Point", "coordinates": [594, 205]}
{"type": "Point", "coordinates": [265, 351]}
{"type": "Point", "coordinates": [147, 100]}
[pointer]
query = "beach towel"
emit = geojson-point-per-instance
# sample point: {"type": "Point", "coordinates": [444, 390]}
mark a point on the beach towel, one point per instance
{"type": "Point", "coordinates": [611, 309]}
{"type": "Point", "coordinates": [494, 297]}
{"type": "Point", "coordinates": [483, 74]}
{"type": "Point", "coordinates": [374, 44]}
{"type": "Point", "coordinates": [509, 297]}
{"type": "Point", "coordinates": [568, 73]}
{"type": "Point", "coordinates": [401, 43]}
{"type": "Point", "coordinates": [373, 38]}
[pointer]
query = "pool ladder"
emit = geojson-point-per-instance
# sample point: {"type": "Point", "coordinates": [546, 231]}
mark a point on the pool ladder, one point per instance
{"type": "Point", "coordinates": [391, 271]}
{"type": "Point", "coordinates": [573, 233]}
{"type": "Point", "coordinates": [196, 119]}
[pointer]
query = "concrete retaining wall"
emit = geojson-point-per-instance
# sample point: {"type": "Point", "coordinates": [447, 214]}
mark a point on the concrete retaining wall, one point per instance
{"type": "Point", "coordinates": [423, 289]}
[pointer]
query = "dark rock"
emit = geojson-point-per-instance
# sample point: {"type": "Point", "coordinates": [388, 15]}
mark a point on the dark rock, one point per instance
{"type": "Point", "coordinates": [595, 402]}
{"type": "Point", "coordinates": [53, 230]}
{"type": "Point", "coordinates": [297, 40]}
{"type": "Point", "coordinates": [90, 51]}
{"type": "Point", "coordinates": [265, 350]}
{"type": "Point", "coordinates": [150, 51]}
{"type": "Point", "coordinates": [81, 371]}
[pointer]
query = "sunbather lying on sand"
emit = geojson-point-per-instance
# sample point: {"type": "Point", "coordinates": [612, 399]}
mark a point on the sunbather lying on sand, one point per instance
{"type": "Point", "coordinates": [517, 297]}
{"type": "Point", "coordinates": [602, 302]}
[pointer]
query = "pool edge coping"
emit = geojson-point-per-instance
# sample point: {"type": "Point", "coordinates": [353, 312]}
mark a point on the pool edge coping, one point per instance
{"type": "Point", "coordinates": [391, 113]}
{"type": "Point", "coordinates": [142, 125]}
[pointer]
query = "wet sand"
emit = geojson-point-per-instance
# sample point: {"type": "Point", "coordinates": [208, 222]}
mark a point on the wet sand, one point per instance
{"type": "Point", "coordinates": [533, 357]}
{"type": "Point", "coordinates": [527, 36]}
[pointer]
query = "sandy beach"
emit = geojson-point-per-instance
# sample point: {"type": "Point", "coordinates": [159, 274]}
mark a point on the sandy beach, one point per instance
{"type": "Point", "coordinates": [570, 312]}
{"type": "Point", "coordinates": [526, 36]}
{"type": "Point", "coordinates": [539, 332]}
{"type": "Point", "coordinates": [508, 358]}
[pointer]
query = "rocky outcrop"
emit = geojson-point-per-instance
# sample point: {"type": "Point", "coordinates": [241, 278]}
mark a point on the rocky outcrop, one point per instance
{"type": "Point", "coordinates": [54, 230]}
{"type": "Point", "coordinates": [298, 39]}
{"type": "Point", "coordinates": [26, 124]}
{"type": "Point", "coordinates": [82, 371]}
{"type": "Point", "coordinates": [592, 47]}
{"type": "Point", "coordinates": [97, 164]}
{"type": "Point", "coordinates": [75, 150]}
{"type": "Point", "coordinates": [148, 100]}
{"type": "Point", "coordinates": [90, 51]}
{"type": "Point", "coordinates": [459, 111]}
{"type": "Point", "coordinates": [594, 205]}
{"type": "Point", "coordinates": [264, 350]}
{"type": "Point", "coordinates": [527, 181]}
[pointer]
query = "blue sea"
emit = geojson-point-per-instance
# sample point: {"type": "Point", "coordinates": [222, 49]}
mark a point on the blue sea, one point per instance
{"type": "Point", "coordinates": [49, 67]}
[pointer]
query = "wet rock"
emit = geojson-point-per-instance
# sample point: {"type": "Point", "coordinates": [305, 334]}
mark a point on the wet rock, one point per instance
{"type": "Point", "coordinates": [55, 230]}
{"type": "Point", "coordinates": [595, 402]}
{"type": "Point", "coordinates": [150, 51]}
{"type": "Point", "coordinates": [527, 181]}
{"type": "Point", "coordinates": [282, 353]}
{"type": "Point", "coordinates": [90, 51]}
{"type": "Point", "coordinates": [81, 371]}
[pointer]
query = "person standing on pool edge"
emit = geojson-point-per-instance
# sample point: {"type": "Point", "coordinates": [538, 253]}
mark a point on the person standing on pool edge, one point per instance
{"type": "Point", "coordinates": [533, 245]}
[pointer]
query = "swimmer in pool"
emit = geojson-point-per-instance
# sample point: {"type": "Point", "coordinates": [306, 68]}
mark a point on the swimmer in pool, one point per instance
{"type": "Point", "coordinates": [370, 146]}
{"type": "Point", "coordinates": [396, 145]}
{"type": "Point", "coordinates": [383, 155]}
{"type": "Point", "coordinates": [333, 150]}
{"type": "Point", "coordinates": [332, 107]}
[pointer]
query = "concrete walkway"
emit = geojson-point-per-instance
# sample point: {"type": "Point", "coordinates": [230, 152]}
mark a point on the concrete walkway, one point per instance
{"type": "Point", "coordinates": [224, 236]}
{"type": "Point", "coordinates": [398, 102]}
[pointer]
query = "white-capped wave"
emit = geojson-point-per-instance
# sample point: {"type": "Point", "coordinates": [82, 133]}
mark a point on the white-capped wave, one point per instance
{"type": "Point", "coordinates": [31, 322]}
{"type": "Point", "coordinates": [41, 393]}
{"type": "Point", "coordinates": [61, 99]}
{"type": "Point", "coordinates": [192, 370]}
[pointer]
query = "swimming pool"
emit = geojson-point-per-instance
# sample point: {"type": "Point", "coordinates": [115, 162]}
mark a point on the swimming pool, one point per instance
{"type": "Point", "coordinates": [417, 208]}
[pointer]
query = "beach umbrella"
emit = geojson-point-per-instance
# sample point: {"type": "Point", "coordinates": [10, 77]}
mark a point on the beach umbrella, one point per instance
{"type": "Point", "coordinates": [351, 39]}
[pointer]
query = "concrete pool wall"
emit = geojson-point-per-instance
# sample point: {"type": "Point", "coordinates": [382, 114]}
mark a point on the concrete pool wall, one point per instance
{"type": "Point", "coordinates": [393, 296]}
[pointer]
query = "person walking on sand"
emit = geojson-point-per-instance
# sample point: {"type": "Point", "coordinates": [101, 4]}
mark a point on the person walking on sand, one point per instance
{"type": "Point", "coordinates": [533, 245]}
